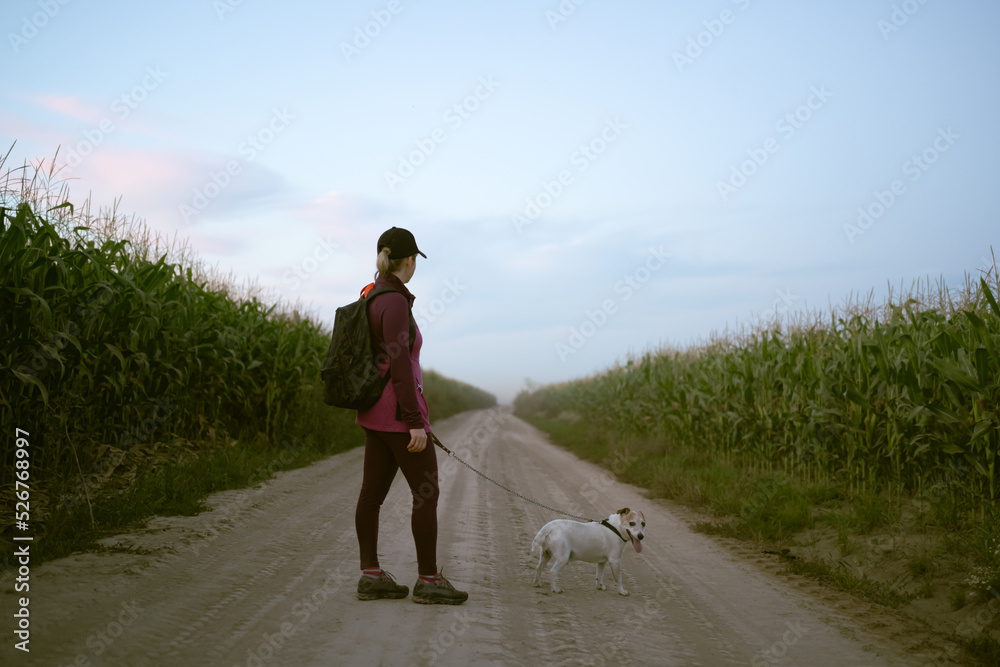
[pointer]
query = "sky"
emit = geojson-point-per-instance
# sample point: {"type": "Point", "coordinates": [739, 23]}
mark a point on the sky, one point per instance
{"type": "Point", "coordinates": [588, 179]}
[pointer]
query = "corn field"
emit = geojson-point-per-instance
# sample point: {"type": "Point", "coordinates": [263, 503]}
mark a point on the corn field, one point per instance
{"type": "Point", "coordinates": [903, 398]}
{"type": "Point", "coordinates": [105, 347]}
{"type": "Point", "coordinates": [110, 341]}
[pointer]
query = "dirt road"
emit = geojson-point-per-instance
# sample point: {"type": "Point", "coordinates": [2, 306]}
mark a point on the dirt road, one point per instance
{"type": "Point", "coordinates": [268, 578]}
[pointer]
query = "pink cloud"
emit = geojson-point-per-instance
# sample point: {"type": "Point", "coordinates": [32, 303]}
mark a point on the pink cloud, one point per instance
{"type": "Point", "coordinates": [84, 111]}
{"type": "Point", "coordinates": [73, 107]}
{"type": "Point", "coordinates": [163, 186]}
{"type": "Point", "coordinates": [136, 171]}
{"type": "Point", "coordinates": [148, 183]}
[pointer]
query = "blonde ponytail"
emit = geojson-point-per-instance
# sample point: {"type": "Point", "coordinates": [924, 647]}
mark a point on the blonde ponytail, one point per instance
{"type": "Point", "coordinates": [384, 266]}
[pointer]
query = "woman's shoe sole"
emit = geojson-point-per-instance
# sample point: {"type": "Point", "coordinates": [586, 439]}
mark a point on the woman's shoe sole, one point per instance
{"type": "Point", "coordinates": [437, 601]}
{"type": "Point", "coordinates": [377, 596]}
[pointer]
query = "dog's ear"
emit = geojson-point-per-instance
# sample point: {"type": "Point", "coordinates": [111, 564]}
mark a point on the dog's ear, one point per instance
{"type": "Point", "coordinates": [624, 511]}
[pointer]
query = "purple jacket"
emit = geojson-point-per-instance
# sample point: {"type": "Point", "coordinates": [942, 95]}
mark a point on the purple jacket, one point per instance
{"type": "Point", "coordinates": [389, 320]}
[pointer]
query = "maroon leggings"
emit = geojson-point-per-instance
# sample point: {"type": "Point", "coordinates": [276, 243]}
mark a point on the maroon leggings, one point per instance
{"type": "Point", "coordinates": [384, 454]}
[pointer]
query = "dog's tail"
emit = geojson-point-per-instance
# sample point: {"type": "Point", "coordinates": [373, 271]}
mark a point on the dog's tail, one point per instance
{"type": "Point", "coordinates": [539, 541]}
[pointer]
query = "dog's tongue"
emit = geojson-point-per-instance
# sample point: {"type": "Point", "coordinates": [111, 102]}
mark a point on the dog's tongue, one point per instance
{"type": "Point", "coordinates": [636, 544]}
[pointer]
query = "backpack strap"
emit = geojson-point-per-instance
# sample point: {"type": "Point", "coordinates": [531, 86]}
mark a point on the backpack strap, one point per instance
{"type": "Point", "coordinates": [369, 292]}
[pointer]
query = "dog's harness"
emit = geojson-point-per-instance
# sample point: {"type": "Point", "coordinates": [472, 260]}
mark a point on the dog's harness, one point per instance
{"type": "Point", "coordinates": [604, 522]}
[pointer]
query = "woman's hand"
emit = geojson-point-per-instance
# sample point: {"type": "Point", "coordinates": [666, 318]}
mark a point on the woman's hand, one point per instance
{"type": "Point", "coordinates": [418, 440]}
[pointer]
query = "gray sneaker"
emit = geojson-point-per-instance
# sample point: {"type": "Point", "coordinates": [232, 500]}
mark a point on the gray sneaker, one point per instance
{"type": "Point", "coordinates": [383, 587]}
{"type": "Point", "coordinates": [439, 592]}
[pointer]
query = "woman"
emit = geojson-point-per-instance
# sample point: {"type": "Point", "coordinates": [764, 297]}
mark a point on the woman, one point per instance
{"type": "Point", "coordinates": [396, 429]}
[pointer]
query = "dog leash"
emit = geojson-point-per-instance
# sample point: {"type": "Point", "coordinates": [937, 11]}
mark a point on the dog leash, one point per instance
{"type": "Point", "coordinates": [512, 491]}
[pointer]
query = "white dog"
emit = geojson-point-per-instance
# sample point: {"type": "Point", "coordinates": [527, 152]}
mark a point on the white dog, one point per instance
{"type": "Point", "coordinates": [604, 542]}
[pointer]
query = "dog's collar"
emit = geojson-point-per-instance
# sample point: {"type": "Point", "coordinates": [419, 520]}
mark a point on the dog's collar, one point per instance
{"type": "Point", "coordinates": [604, 522]}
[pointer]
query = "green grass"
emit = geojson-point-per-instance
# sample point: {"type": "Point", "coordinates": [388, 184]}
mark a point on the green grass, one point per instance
{"type": "Point", "coordinates": [446, 397]}
{"type": "Point", "coordinates": [872, 511]}
{"type": "Point", "coordinates": [180, 488]}
{"type": "Point", "coordinates": [572, 435]}
{"type": "Point", "coordinates": [983, 649]}
{"type": "Point", "coordinates": [986, 544]}
{"type": "Point", "coordinates": [766, 510]}
{"type": "Point", "coordinates": [919, 566]}
{"type": "Point", "coordinates": [878, 592]}
{"type": "Point", "coordinates": [690, 476]}
{"type": "Point", "coordinates": [846, 545]}
{"type": "Point", "coordinates": [753, 506]}
{"type": "Point", "coordinates": [923, 568]}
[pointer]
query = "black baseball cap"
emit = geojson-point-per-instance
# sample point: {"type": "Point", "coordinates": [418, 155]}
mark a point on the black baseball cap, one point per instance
{"type": "Point", "coordinates": [400, 242]}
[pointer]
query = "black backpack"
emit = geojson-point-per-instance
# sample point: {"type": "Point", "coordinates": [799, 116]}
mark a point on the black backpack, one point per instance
{"type": "Point", "coordinates": [350, 373]}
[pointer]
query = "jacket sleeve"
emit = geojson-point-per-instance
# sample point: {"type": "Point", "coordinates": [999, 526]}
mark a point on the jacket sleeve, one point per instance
{"type": "Point", "coordinates": [395, 317]}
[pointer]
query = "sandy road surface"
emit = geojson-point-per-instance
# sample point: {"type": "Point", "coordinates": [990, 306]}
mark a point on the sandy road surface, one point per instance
{"type": "Point", "coordinates": [268, 578]}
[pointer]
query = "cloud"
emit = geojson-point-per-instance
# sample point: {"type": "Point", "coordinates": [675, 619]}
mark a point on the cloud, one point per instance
{"type": "Point", "coordinates": [140, 171]}
{"type": "Point", "coordinates": [73, 107]}
{"type": "Point", "coordinates": [176, 190]}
